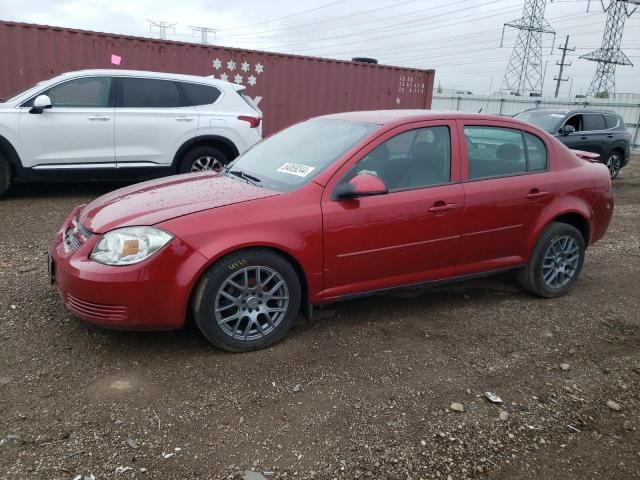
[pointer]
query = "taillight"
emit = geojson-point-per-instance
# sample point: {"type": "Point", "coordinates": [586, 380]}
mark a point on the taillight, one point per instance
{"type": "Point", "coordinates": [253, 121]}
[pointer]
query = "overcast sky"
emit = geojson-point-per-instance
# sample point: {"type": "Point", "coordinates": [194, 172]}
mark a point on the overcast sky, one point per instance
{"type": "Point", "coordinates": [459, 38]}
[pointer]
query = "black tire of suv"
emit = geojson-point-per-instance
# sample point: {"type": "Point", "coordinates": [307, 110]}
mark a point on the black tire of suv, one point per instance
{"type": "Point", "coordinates": [206, 293]}
{"type": "Point", "coordinates": [531, 277]}
{"type": "Point", "coordinates": [5, 176]}
{"type": "Point", "coordinates": [192, 156]}
{"type": "Point", "coordinates": [614, 156]}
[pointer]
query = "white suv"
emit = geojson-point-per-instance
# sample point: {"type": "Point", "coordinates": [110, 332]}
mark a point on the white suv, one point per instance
{"type": "Point", "coordinates": [105, 124]}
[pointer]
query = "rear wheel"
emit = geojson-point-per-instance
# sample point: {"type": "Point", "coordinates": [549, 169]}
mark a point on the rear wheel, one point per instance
{"type": "Point", "coordinates": [202, 159]}
{"type": "Point", "coordinates": [555, 263]}
{"type": "Point", "coordinates": [5, 176]}
{"type": "Point", "coordinates": [614, 163]}
{"type": "Point", "coordinates": [248, 300]}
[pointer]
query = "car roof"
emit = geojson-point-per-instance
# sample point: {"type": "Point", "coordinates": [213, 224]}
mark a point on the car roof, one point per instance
{"type": "Point", "coordinates": [569, 111]}
{"type": "Point", "coordinates": [145, 73]}
{"type": "Point", "coordinates": [383, 117]}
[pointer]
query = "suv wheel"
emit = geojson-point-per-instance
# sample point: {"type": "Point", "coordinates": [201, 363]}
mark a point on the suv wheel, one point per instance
{"type": "Point", "coordinates": [246, 301]}
{"type": "Point", "coordinates": [614, 163]}
{"type": "Point", "coordinates": [202, 159]}
{"type": "Point", "coordinates": [5, 176]}
{"type": "Point", "coordinates": [555, 263]}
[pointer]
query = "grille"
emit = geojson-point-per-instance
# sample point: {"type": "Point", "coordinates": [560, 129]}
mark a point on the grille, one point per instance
{"type": "Point", "coordinates": [96, 310]}
{"type": "Point", "coordinates": [76, 235]}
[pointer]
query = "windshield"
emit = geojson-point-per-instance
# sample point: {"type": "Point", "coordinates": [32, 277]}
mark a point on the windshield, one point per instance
{"type": "Point", "coordinates": [548, 121]}
{"type": "Point", "coordinates": [291, 158]}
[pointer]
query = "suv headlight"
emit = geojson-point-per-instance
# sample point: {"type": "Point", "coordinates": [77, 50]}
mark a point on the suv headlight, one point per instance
{"type": "Point", "coordinates": [129, 245]}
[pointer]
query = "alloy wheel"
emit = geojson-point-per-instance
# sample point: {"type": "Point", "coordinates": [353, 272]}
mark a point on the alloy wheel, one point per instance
{"type": "Point", "coordinates": [561, 262]}
{"type": "Point", "coordinates": [614, 164]}
{"type": "Point", "coordinates": [206, 163]}
{"type": "Point", "coordinates": [251, 303]}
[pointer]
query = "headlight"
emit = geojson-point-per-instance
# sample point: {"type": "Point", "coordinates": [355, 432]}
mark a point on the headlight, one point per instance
{"type": "Point", "coordinates": [129, 245]}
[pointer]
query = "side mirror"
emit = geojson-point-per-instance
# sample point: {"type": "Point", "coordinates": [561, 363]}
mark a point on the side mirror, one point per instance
{"type": "Point", "coordinates": [40, 103]}
{"type": "Point", "coordinates": [362, 185]}
{"type": "Point", "coordinates": [567, 129]}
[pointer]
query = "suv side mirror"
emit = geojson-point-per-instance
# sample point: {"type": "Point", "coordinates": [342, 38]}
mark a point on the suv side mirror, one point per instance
{"type": "Point", "coordinates": [362, 185]}
{"type": "Point", "coordinates": [567, 129]}
{"type": "Point", "coordinates": [40, 103]}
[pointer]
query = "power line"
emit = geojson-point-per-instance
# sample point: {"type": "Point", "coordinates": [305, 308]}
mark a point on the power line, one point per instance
{"type": "Point", "coordinates": [162, 27]}
{"type": "Point", "coordinates": [562, 64]}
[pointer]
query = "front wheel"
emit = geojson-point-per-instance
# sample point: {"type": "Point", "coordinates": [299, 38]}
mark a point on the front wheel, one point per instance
{"type": "Point", "coordinates": [555, 263]}
{"type": "Point", "coordinates": [248, 300]}
{"type": "Point", "coordinates": [614, 164]}
{"type": "Point", "coordinates": [202, 159]}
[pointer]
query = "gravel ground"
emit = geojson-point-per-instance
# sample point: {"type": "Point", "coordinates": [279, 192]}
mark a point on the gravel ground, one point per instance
{"type": "Point", "coordinates": [364, 391]}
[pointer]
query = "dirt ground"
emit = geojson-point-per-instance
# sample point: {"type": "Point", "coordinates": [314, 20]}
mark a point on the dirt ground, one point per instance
{"type": "Point", "coordinates": [363, 391]}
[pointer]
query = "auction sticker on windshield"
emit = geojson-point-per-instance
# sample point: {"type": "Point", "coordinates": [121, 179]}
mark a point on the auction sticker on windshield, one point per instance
{"type": "Point", "coordinates": [296, 169]}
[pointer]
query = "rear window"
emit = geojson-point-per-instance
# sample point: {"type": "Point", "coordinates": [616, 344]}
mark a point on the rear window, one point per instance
{"type": "Point", "coordinates": [196, 94]}
{"type": "Point", "coordinates": [149, 93]}
{"type": "Point", "coordinates": [593, 121]}
{"type": "Point", "coordinates": [611, 121]}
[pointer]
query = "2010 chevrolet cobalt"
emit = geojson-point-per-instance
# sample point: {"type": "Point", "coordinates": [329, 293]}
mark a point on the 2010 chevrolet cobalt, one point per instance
{"type": "Point", "coordinates": [329, 208]}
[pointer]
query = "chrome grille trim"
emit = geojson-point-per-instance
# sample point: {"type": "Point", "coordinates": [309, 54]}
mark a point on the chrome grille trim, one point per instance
{"type": "Point", "coordinates": [76, 235]}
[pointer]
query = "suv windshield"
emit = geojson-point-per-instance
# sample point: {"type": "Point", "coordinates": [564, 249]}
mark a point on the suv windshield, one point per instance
{"type": "Point", "coordinates": [548, 121]}
{"type": "Point", "coordinates": [291, 158]}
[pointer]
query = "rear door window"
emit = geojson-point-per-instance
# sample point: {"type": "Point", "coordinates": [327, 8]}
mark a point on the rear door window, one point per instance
{"type": "Point", "coordinates": [197, 94]}
{"type": "Point", "coordinates": [593, 121]}
{"type": "Point", "coordinates": [494, 151]}
{"type": "Point", "coordinates": [536, 153]}
{"type": "Point", "coordinates": [148, 93]}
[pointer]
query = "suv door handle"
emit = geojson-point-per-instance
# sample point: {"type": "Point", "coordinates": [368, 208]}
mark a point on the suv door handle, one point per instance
{"type": "Point", "coordinates": [441, 206]}
{"type": "Point", "coordinates": [536, 194]}
{"type": "Point", "coordinates": [609, 136]}
{"type": "Point", "coordinates": [583, 137]}
{"type": "Point", "coordinates": [184, 118]}
{"type": "Point", "coordinates": [98, 118]}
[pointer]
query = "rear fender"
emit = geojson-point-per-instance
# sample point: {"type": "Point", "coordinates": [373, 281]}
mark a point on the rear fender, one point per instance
{"type": "Point", "coordinates": [557, 209]}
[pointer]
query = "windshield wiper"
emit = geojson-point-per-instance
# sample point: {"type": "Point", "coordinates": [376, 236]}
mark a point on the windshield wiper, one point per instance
{"type": "Point", "coordinates": [249, 178]}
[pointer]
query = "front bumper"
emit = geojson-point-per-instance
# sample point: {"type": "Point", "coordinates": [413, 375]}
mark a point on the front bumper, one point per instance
{"type": "Point", "coordinates": [151, 295]}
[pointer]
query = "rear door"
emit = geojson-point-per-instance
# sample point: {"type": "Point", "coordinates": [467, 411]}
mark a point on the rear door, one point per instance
{"type": "Point", "coordinates": [507, 184]}
{"type": "Point", "coordinates": [151, 121]}
{"type": "Point", "coordinates": [594, 129]}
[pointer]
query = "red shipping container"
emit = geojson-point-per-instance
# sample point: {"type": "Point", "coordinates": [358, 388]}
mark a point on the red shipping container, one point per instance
{"type": "Point", "coordinates": [288, 88]}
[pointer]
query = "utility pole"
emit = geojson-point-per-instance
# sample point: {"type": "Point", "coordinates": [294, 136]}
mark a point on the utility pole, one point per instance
{"type": "Point", "coordinates": [562, 64]}
{"type": "Point", "coordinates": [524, 70]}
{"type": "Point", "coordinates": [609, 55]}
{"type": "Point", "coordinates": [162, 27]}
{"type": "Point", "coordinates": [204, 32]}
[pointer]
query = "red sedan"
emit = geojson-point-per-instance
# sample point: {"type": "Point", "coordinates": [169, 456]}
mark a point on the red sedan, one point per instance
{"type": "Point", "coordinates": [330, 208]}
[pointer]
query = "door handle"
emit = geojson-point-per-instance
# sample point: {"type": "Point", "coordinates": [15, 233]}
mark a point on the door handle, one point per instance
{"type": "Point", "coordinates": [184, 119]}
{"type": "Point", "coordinates": [536, 194]}
{"type": "Point", "coordinates": [441, 206]}
{"type": "Point", "coordinates": [98, 118]}
{"type": "Point", "coordinates": [609, 136]}
{"type": "Point", "coordinates": [583, 138]}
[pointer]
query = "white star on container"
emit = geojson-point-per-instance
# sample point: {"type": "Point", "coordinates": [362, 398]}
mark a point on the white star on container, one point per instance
{"type": "Point", "coordinates": [231, 65]}
{"type": "Point", "coordinates": [217, 64]}
{"type": "Point", "coordinates": [238, 79]}
{"type": "Point", "coordinates": [259, 68]}
{"type": "Point", "coordinates": [224, 77]}
{"type": "Point", "coordinates": [251, 80]}
{"type": "Point", "coordinates": [245, 66]}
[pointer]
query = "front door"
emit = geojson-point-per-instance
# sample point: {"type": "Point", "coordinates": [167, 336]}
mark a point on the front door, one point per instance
{"type": "Point", "coordinates": [408, 235]}
{"type": "Point", "coordinates": [76, 132]}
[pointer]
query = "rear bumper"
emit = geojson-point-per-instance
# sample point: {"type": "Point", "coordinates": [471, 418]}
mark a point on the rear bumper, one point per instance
{"type": "Point", "coordinates": [152, 295]}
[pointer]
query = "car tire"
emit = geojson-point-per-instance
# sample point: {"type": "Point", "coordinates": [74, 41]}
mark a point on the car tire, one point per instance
{"type": "Point", "coordinates": [238, 313]}
{"type": "Point", "coordinates": [555, 263]}
{"type": "Point", "coordinates": [5, 176]}
{"type": "Point", "coordinates": [201, 159]}
{"type": "Point", "coordinates": [614, 163]}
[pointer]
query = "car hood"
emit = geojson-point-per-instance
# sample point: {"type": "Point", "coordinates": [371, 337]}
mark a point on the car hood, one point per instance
{"type": "Point", "coordinates": [159, 200]}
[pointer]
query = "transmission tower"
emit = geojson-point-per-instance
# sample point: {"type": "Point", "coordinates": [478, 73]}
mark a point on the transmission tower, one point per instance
{"type": "Point", "coordinates": [524, 71]}
{"type": "Point", "coordinates": [609, 54]}
{"type": "Point", "coordinates": [204, 33]}
{"type": "Point", "coordinates": [162, 27]}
